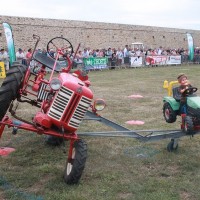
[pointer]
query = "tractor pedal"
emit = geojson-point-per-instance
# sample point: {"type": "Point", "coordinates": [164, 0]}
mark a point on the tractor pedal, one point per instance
{"type": "Point", "coordinates": [15, 129]}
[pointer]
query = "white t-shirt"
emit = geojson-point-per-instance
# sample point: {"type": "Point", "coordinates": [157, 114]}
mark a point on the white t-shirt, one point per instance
{"type": "Point", "coordinates": [20, 56]}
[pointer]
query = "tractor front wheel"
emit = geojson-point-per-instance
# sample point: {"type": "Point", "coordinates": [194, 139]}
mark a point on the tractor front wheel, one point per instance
{"type": "Point", "coordinates": [76, 164]}
{"type": "Point", "coordinates": [10, 87]}
{"type": "Point", "coordinates": [169, 113]}
{"type": "Point", "coordinates": [172, 146]}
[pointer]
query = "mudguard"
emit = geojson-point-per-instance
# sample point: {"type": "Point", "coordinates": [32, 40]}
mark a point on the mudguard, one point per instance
{"type": "Point", "coordinates": [193, 102]}
{"type": "Point", "coordinates": [173, 103]}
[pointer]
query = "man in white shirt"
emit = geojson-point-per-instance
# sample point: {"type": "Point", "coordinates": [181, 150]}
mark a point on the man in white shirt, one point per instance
{"type": "Point", "coordinates": [159, 52]}
{"type": "Point", "coordinates": [126, 55]}
{"type": "Point", "coordinates": [126, 51]}
{"type": "Point", "coordinates": [20, 55]}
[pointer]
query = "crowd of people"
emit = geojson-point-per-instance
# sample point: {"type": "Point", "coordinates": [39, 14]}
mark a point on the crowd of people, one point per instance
{"type": "Point", "coordinates": [21, 56]}
{"type": "Point", "coordinates": [115, 56]}
{"type": "Point", "coordinates": [122, 55]}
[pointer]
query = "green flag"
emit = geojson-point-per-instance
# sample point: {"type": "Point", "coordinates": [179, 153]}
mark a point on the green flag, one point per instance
{"type": "Point", "coordinates": [190, 46]}
{"type": "Point", "coordinates": [10, 42]}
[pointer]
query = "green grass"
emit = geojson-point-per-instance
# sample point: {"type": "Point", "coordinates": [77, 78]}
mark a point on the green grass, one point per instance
{"type": "Point", "coordinates": [116, 168]}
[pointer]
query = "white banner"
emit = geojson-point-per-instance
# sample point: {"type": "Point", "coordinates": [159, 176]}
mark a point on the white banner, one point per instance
{"type": "Point", "coordinates": [163, 60]}
{"type": "Point", "coordinates": [174, 60]}
{"type": "Point", "coordinates": [136, 61]}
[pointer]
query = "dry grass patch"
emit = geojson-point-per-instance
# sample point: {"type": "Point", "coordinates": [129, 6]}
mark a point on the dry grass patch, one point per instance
{"type": "Point", "coordinates": [116, 168]}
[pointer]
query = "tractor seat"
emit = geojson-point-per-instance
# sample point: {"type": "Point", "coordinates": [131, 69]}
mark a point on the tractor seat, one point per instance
{"type": "Point", "coordinates": [176, 93]}
{"type": "Point", "coordinates": [46, 61]}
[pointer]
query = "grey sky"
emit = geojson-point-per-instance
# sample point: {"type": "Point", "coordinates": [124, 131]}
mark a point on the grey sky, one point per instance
{"type": "Point", "coordinates": [171, 13]}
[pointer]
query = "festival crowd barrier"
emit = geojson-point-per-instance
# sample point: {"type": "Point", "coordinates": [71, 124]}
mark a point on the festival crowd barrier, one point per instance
{"type": "Point", "coordinates": [99, 63]}
{"type": "Point", "coordinates": [94, 63]}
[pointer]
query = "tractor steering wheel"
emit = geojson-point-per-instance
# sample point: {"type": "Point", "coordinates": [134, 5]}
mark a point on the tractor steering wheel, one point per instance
{"type": "Point", "coordinates": [61, 46]}
{"type": "Point", "coordinates": [190, 90]}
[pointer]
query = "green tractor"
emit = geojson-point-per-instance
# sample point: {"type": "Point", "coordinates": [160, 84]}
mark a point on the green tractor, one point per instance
{"type": "Point", "coordinates": [172, 107]}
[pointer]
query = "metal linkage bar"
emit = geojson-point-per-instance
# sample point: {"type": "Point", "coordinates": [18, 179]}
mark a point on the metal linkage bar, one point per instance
{"type": "Point", "coordinates": [93, 116]}
{"type": "Point", "coordinates": [151, 135]}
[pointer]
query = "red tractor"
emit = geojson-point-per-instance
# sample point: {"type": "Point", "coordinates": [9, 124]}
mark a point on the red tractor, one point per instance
{"type": "Point", "coordinates": [63, 100]}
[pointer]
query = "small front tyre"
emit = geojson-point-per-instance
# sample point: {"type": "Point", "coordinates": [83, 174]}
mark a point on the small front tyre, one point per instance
{"type": "Point", "coordinates": [75, 165]}
{"type": "Point", "coordinates": [172, 146]}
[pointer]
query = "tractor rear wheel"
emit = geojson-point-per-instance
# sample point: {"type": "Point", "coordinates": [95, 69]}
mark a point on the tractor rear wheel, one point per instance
{"type": "Point", "coordinates": [188, 125]}
{"type": "Point", "coordinates": [76, 164]}
{"type": "Point", "coordinates": [169, 113]}
{"type": "Point", "coordinates": [10, 87]}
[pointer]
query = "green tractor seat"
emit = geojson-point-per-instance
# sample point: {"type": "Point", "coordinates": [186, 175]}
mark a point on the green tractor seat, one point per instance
{"type": "Point", "coordinates": [176, 93]}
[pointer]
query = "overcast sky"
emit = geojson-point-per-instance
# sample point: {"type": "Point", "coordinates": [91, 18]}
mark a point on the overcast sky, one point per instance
{"type": "Point", "coordinates": [169, 13]}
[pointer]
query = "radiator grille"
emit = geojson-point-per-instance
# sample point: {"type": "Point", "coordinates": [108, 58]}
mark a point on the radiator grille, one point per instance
{"type": "Point", "coordinates": [60, 103]}
{"type": "Point", "coordinates": [43, 94]}
{"type": "Point", "coordinates": [79, 112]}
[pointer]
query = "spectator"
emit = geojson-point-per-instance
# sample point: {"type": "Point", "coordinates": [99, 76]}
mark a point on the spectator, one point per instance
{"type": "Point", "coordinates": [109, 55]}
{"type": "Point", "coordinates": [159, 52]}
{"type": "Point", "coordinates": [101, 53]}
{"type": "Point", "coordinates": [28, 56]}
{"type": "Point", "coordinates": [138, 53]}
{"type": "Point", "coordinates": [126, 55]}
{"type": "Point", "coordinates": [120, 56]}
{"type": "Point", "coordinates": [51, 53]}
{"type": "Point", "coordinates": [79, 56]}
{"type": "Point", "coordinates": [44, 51]}
{"type": "Point", "coordinates": [85, 53]}
{"type": "Point", "coordinates": [113, 60]}
{"type": "Point", "coordinates": [4, 58]}
{"type": "Point", "coordinates": [20, 55]}
{"type": "Point", "coordinates": [126, 51]}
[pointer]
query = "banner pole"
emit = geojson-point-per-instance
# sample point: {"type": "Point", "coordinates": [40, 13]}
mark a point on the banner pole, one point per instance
{"type": "Point", "coordinates": [10, 42]}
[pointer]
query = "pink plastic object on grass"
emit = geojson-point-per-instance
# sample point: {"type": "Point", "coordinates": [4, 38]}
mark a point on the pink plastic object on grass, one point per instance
{"type": "Point", "coordinates": [5, 151]}
{"type": "Point", "coordinates": [135, 96]}
{"type": "Point", "coordinates": [135, 122]}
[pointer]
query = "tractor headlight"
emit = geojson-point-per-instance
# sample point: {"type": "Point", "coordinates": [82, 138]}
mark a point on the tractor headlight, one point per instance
{"type": "Point", "coordinates": [55, 84]}
{"type": "Point", "coordinates": [99, 104]}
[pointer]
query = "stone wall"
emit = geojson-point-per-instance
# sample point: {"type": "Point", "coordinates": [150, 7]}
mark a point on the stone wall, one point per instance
{"type": "Point", "coordinates": [93, 34]}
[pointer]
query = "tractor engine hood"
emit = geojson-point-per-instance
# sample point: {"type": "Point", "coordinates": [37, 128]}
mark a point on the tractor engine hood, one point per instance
{"type": "Point", "coordinates": [70, 103]}
{"type": "Point", "coordinates": [74, 83]}
{"type": "Point", "coordinates": [193, 102]}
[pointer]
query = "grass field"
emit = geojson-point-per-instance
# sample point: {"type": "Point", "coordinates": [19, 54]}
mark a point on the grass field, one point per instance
{"type": "Point", "coordinates": [116, 168]}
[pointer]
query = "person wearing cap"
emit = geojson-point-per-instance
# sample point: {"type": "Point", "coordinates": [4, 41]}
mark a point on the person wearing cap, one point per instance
{"type": "Point", "coordinates": [184, 84]}
{"type": "Point", "coordinates": [20, 55]}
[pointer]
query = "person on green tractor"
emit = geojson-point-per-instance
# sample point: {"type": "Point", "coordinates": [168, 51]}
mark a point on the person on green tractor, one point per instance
{"type": "Point", "coordinates": [184, 85]}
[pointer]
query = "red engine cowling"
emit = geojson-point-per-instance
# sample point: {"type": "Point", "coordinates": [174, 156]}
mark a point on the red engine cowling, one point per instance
{"type": "Point", "coordinates": [70, 103]}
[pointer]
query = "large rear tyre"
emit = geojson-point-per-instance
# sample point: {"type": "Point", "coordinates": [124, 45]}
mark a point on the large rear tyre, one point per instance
{"type": "Point", "coordinates": [168, 113]}
{"type": "Point", "coordinates": [188, 125]}
{"type": "Point", "coordinates": [10, 87]}
{"type": "Point", "coordinates": [76, 165]}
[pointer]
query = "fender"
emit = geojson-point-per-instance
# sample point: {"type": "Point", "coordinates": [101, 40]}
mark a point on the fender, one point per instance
{"type": "Point", "coordinates": [173, 103]}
